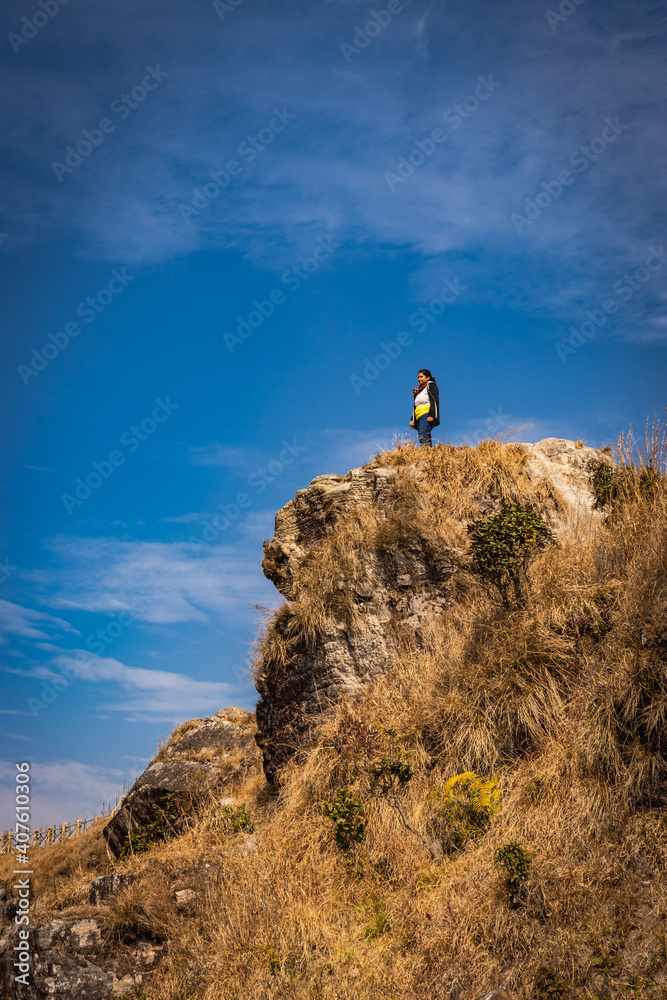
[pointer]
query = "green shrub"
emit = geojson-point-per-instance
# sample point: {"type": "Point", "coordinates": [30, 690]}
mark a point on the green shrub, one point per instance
{"type": "Point", "coordinates": [503, 545]}
{"type": "Point", "coordinates": [271, 959]}
{"type": "Point", "coordinates": [347, 815]}
{"type": "Point", "coordinates": [606, 481]}
{"type": "Point", "coordinates": [513, 860]}
{"type": "Point", "coordinates": [136, 992]}
{"type": "Point", "coordinates": [612, 485]}
{"type": "Point", "coordinates": [388, 774]}
{"type": "Point", "coordinates": [236, 820]}
{"type": "Point", "coordinates": [379, 924]}
{"type": "Point", "coordinates": [548, 985]}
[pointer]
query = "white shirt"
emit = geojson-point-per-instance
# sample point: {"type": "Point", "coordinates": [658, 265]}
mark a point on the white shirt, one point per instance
{"type": "Point", "coordinates": [422, 398]}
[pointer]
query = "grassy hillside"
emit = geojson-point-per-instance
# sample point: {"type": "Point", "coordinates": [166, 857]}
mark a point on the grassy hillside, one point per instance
{"type": "Point", "coordinates": [542, 871]}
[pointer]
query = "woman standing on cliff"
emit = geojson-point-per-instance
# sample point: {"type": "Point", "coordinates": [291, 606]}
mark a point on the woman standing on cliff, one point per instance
{"type": "Point", "coordinates": [426, 407]}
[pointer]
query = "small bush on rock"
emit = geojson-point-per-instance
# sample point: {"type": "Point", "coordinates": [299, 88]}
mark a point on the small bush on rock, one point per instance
{"type": "Point", "coordinates": [169, 822]}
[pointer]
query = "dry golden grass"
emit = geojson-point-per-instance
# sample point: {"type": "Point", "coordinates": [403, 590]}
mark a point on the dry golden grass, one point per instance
{"type": "Point", "coordinates": [563, 701]}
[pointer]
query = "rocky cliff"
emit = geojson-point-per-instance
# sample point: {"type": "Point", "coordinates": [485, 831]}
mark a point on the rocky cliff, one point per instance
{"type": "Point", "coordinates": [479, 806]}
{"type": "Point", "coordinates": [366, 559]}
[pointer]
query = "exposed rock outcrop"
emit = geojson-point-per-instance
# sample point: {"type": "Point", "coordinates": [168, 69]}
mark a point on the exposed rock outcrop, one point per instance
{"type": "Point", "coordinates": [105, 887]}
{"type": "Point", "coordinates": [203, 754]}
{"type": "Point", "coordinates": [401, 587]}
{"type": "Point", "coordinates": [64, 958]}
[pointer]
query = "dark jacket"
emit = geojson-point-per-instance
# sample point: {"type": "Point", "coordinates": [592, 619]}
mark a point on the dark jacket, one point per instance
{"type": "Point", "coordinates": [434, 397]}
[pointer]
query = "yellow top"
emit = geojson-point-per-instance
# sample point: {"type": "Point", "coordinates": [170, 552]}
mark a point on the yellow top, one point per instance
{"type": "Point", "coordinates": [421, 410]}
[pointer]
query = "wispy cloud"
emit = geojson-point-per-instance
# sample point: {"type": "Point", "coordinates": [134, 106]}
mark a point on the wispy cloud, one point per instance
{"type": "Point", "coordinates": [61, 790]}
{"type": "Point", "coordinates": [149, 694]}
{"type": "Point", "coordinates": [26, 623]}
{"type": "Point", "coordinates": [456, 208]}
{"type": "Point", "coordinates": [186, 518]}
{"type": "Point", "coordinates": [167, 580]}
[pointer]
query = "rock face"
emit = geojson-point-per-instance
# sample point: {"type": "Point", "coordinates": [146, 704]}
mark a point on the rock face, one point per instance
{"type": "Point", "coordinates": [403, 588]}
{"type": "Point", "coordinates": [563, 463]}
{"type": "Point", "coordinates": [105, 887]}
{"type": "Point", "coordinates": [68, 959]}
{"type": "Point", "coordinates": [62, 962]}
{"type": "Point", "coordinates": [203, 754]}
{"type": "Point", "coordinates": [413, 582]}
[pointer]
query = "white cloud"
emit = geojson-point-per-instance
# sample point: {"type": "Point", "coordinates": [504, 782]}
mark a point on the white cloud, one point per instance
{"type": "Point", "coordinates": [154, 694]}
{"type": "Point", "coordinates": [23, 622]}
{"type": "Point", "coordinates": [61, 791]}
{"type": "Point", "coordinates": [167, 582]}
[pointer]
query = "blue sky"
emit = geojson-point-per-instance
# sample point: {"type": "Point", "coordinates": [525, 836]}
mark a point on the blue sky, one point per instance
{"type": "Point", "coordinates": [230, 235]}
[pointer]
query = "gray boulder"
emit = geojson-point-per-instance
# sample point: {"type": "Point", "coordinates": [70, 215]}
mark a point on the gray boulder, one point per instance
{"type": "Point", "coordinates": [202, 755]}
{"type": "Point", "coordinates": [105, 887]}
{"type": "Point", "coordinates": [63, 958]}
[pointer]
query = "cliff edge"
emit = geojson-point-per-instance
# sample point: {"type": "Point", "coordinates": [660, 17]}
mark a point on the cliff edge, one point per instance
{"type": "Point", "coordinates": [367, 559]}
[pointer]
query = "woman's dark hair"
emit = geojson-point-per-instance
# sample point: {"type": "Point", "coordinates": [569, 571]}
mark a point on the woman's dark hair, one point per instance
{"type": "Point", "coordinates": [426, 372]}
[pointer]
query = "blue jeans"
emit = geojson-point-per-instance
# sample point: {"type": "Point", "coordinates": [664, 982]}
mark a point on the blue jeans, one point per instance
{"type": "Point", "coordinates": [424, 431]}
